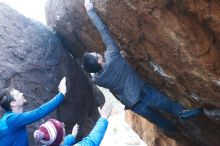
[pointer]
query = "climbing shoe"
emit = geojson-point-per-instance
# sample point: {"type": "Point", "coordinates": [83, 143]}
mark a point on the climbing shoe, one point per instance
{"type": "Point", "coordinates": [185, 114]}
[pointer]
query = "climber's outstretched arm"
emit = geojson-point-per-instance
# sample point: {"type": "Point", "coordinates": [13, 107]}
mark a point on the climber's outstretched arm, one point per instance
{"type": "Point", "coordinates": [109, 42]}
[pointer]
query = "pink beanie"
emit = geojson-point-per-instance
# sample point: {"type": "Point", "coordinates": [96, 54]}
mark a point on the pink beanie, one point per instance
{"type": "Point", "coordinates": [50, 133]}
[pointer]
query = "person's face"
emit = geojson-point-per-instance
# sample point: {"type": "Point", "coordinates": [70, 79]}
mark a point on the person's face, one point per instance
{"type": "Point", "coordinates": [98, 56]}
{"type": "Point", "coordinates": [19, 98]}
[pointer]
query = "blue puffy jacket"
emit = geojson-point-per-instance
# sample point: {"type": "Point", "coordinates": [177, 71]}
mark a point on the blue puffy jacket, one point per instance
{"type": "Point", "coordinates": [13, 125]}
{"type": "Point", "coordinates": [93, 139]}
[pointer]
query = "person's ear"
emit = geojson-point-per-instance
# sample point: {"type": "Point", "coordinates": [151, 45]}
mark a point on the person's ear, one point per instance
{"type": "Point", "coordinates": [99, 61]}
{"type": "Point", "coordinates": [13, 104]}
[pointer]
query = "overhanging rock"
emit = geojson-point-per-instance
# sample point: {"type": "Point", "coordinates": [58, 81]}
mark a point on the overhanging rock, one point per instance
{"type": "Point", "coordinates": [172, 44]}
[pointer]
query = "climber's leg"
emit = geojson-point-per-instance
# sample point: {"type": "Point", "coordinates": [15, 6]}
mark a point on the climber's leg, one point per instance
{"type": "Point", "coordinates": [158, 100]}
{"type": "Point", "coordinates": [142, 108]}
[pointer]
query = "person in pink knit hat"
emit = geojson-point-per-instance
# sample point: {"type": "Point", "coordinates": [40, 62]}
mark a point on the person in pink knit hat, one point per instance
{"type": "Point", "coordinates": [52, 132]}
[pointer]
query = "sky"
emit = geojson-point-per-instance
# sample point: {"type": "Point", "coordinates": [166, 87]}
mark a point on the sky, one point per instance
{"type": "Point", "coordinates": [30, 8]}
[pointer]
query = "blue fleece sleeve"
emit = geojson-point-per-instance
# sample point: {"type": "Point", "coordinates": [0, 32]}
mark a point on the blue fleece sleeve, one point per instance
{"type": "Point", "coordinates": [26, 118]}
{"type": "Point", "coordinates": [69, 140]}
{"type": "Point", "coordinates": [112, 48]}
{"type": "Point", "coordinates": [96, 135]}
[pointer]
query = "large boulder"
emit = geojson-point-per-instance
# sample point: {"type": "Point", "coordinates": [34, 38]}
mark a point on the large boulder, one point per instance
{"type": "Point", "coordinates": [33, 60]}
{"type": "Point", "coordinates": [172, 44]}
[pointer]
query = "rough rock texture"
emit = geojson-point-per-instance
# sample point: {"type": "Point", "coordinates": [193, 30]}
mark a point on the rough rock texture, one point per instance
{"type": "Point", "coordinates": [33, 60]}
{"type": "Point", "coordinates": [154, 138]}
{"type": "Point", "coordinates": [172, 44]}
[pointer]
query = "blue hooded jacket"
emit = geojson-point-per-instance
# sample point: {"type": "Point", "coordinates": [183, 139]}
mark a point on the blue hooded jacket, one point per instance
{"type": "Point", "coordinates": [13, 125]}
{"type": "Point", "coordinates": [93, 139]}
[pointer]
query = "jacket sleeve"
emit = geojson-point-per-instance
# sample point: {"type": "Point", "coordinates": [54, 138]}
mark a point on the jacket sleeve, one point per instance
{"type": "Point", "coordinates": [96, 135]}
{"type": "Point", "coordinates": [69, 140]}
{"type": "Point", "coordinates": [26, 118]}
{"type": "Point", "coordinates": [112, 48]}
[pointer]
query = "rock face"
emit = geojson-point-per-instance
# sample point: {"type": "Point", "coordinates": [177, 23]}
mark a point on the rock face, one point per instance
{"type": "Point", "coordinates": [172, 44]}
{"type": "Point", "coordinates": [33, 60]}
{"type": "Point", "coordinates": [154, 138]}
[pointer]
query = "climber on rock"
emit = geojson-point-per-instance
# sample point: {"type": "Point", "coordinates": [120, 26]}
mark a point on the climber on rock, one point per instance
{"type": "Point", "coordinates": [114, 73]}
{"type": "Point", "coordinates": [13, 123]}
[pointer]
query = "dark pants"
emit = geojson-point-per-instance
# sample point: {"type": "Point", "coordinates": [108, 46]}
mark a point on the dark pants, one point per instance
{"type": "Point", "coordinates": [151, 101]}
